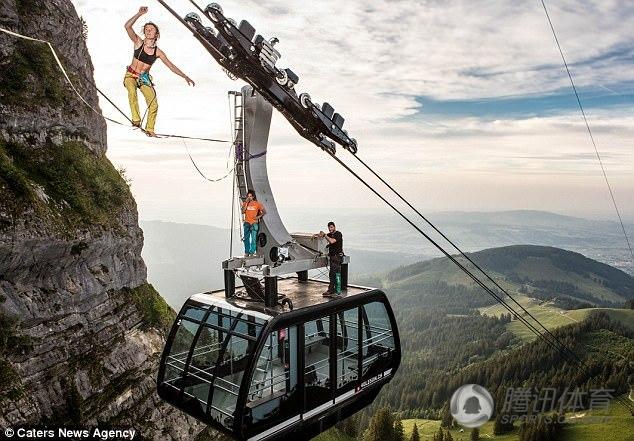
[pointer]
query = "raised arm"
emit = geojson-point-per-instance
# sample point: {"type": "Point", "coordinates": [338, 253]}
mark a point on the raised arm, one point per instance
{"type": "Point", "coordinates": [173, 68]}
{"type": "Point", "coordinates": [128, 25]}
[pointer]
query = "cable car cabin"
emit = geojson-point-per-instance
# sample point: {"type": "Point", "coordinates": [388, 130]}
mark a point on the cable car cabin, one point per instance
{"type": "Point", "coordinates": [260, 373]}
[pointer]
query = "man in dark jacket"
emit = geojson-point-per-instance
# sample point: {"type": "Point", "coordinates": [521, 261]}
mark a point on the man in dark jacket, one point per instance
{"type": "Point", "coordinates": [335, 258]}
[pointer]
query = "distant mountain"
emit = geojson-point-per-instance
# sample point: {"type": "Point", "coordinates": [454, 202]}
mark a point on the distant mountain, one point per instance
{"type": "Point", "coordinates": [184, 259]}
{"type": "Point", "coordinates": [472, 231]}
{"type": "Point", "coordinates": [537, 271]}
{"type": "Point", "coordinates": [529, 218]}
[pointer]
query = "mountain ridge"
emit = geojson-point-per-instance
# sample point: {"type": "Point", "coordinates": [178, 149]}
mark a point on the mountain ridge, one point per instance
{"type": "Point", "coordinates": [551, 271]}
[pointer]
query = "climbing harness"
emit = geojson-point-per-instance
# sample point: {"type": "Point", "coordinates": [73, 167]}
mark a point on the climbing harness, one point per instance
{"type": "Point", "coordinates": [142, 78]}
{"type": "Point", "coordinates": [90, 106]}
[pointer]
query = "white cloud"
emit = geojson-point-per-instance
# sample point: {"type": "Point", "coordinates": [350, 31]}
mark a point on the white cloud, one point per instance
{"type": "Point", "coordinates": [370, 60]}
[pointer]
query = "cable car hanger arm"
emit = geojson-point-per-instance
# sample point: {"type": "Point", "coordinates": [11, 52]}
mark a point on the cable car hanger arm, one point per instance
{"type": "Point", "coordinates": [252, 58]}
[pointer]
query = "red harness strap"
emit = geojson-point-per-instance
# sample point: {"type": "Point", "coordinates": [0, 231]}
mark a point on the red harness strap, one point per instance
{"type": "Point", "coordinates": [133, 72]}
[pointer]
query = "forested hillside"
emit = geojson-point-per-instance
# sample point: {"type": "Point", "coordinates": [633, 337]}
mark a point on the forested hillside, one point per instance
{"type": "Point", "coordinates": [453, 333]}
{"type": "Point", "coordinates": [541, 272]}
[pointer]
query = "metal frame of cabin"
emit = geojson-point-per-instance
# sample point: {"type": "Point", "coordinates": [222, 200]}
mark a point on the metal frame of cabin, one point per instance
{"type": "Point", "coordinates": [259, 373]}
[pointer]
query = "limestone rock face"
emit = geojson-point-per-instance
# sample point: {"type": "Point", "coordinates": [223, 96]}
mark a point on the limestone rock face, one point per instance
{"type": "Point", "coordinates": [55, 21]}
{"type": "Point", "coordinates": [78, 342]}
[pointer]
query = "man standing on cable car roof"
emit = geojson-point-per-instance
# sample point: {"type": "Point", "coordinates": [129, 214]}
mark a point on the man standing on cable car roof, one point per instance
{"type": "Point", "coordinates": [335, 258]}
{"type": "Point", "coordinates": [253, 211]}
{"type": "Point", "coordinates": [138, 72]}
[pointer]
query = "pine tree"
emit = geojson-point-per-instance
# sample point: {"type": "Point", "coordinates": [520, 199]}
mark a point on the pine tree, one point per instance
{"type": "Point", "coordinates": [381, 427]}
{"type": "Point", "coordinates": [399, 434]}
{"type": "Point", "coordinates": [502, 424]}
{"type": "Point", "coordinates": [415, 436]}
{"type": "Point", "coordinates": [349, 426]}
{"type": "Point", "coordinates": [446, 420]}
{"type": "Point", "coordinates": [475, 434]}
{"type": "Point", "coordinates": [448, 436]}
{"type": "Point", "coordinates": [440, 435]}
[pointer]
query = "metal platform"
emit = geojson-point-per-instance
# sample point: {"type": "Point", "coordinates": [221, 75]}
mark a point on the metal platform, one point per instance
{"type": "Point", "coordinates": [278, 253]}
{"type": "Point", "coordinates": [302, 294]}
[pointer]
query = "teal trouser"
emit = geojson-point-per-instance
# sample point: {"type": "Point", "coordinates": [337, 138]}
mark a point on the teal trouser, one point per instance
{"type": "Point", "coordinates": [250, 237]}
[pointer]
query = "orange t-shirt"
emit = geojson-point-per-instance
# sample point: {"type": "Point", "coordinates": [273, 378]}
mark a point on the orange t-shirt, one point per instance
{"type": "Point", "coordinates": [252, 209]}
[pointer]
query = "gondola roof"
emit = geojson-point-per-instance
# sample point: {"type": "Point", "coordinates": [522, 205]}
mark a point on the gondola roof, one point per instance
{"type": "Point", "coordinates": [302, 294]}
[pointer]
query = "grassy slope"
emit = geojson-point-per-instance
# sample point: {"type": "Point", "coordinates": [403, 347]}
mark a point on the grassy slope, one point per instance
{"type": "Point", "coordinates": [553, 317]}
{"type": "Point", "coordinates": [625, 316]}
{"type": "Point", "coordinates": [619, 426]}
{"type": "Point", "coordinates": [542, 269]}
{"type": "Point", "coordinates": [587, 426]}
{"type": "Point", "coordinates": [427, 429]}
{"type": "Point", "coordinates": [616, 425]}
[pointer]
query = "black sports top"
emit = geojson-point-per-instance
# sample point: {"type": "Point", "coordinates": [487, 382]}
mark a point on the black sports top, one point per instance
{"type": "Point", "coordinates": [143, 56]}
{"type": "Point", "coordinates": [335, 249]}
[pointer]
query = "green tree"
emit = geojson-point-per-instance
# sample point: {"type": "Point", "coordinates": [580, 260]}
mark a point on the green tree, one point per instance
{"type": "Point", "coordinates": [446, 420]}
{"type": "Point", "coordinates": [399, 433]}
{"type": "Point", "coordinates": [475, 434]}
{"type": "Point", "coordinates": [381, 427]}
{"type": "Point", "coordinates": [448, 436]}
{"type": "Point", "coordinates": [440, 435]}
{"type": "Point", "coordinates": [349, 426]}
{"type": "Point", "coordinates": [415, 436]}
{"type": "Point", "coordinates": [502, 424]}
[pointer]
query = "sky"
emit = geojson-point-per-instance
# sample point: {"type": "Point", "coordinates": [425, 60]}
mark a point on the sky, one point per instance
{"type": "Point", "coordinates": [461, 105]}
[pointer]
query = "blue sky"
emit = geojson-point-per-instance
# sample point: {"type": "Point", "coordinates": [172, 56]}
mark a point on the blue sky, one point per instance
{"type": "Point", "coordinates": [614, 96]}
{"type": "Point", "coordinates": [463, 105]}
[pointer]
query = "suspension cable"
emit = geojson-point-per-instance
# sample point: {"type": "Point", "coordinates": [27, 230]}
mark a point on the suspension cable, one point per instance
{"type": "Point", "coordinates": [585, 119]}
{"type": "Point", "coordinates": [550, 339]}
{"type": "Point", "coordinates": [449, 256]}
{"type": "Point", "coordinates": [453, 244]}
{"type": "Point", "coordinates": [596, 150]}
{"type": "Point", "coordinates": [200, 171]}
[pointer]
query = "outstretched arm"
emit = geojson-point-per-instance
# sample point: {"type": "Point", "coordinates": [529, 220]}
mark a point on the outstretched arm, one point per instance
{"type": "Point", "coordinates": [330, 240]}
{"type": "Point", "coordinates": [128, 25]}
{"type": "Point", "coordinates": [173, 68]}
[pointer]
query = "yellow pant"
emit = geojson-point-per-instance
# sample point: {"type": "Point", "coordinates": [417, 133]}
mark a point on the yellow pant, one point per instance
{"type": "Point", "coordinates": [130, 83]}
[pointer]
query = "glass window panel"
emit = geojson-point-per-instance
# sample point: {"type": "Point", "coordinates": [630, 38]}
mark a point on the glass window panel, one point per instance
{"type": "Point", "coordinates": [194, 312]}
{"type": "Point", "coordinates": [378, 340]}
{"type": "Point", "coordinates": [178, 352]}
{"type": "Point", "coordinates": [229, 372]}
{"type": "Point", "coordinates": [247, 325]}
{"type": "Point", "coordinates": [347, 349]}
{"type": "Point", "coordinates": [202, 366]}
{"type": "Point", "coordinates": [317, 362]}
{"type": "Point", "coordinates": [274, 393]}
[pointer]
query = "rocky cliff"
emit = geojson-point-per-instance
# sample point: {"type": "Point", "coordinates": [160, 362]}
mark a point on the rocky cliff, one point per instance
{"type": "Point", "coordinates": [80, 329]}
